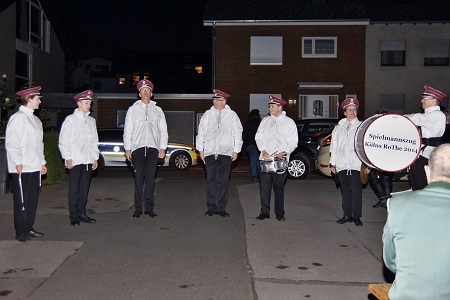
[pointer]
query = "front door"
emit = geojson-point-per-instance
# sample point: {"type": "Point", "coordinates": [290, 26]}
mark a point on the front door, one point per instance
{"type": "Point", "coordinates": [317, 106]}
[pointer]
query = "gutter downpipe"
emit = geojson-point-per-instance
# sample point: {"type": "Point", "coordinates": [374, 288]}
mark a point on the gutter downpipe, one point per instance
{"type": "Point", "coordinates": [214, 55]}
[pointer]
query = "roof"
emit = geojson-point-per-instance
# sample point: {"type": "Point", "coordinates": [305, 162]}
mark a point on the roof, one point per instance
{"type": "Point", "coordinates": [326, 10]}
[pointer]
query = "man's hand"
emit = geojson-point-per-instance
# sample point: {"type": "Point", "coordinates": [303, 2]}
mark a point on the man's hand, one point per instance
{"type": "Point", "coordinates": [69, 164]}
{"type": "Point", "coordinates": [162, 153]}
{"type": "Point", "coordinates": [234, 156]}
{"type": "Point", "coordinates": [202, 155]}
{"type": "Point", "coordinates": [95, 165]}
{"type": "Point", "coordinates": [333, 169]}
{"type": "Point", "coordinates": [19, 169]}
{"type": "Point", "coordinates": [265, 155]}
{"type": "Point", "coordinates": [43, 170]}
{"type": "Point", "coordinates": [128, 154]}
{"type": "Point", "coordinates": [281, 154]}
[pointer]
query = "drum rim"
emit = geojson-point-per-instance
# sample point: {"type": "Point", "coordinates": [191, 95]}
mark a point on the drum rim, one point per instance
{"type": "Point", "coordinates": [376, 117]}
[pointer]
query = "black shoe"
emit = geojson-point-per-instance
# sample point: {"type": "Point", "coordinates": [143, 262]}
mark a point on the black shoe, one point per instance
{"type": "Point", "coordinates": [151, 214]}
{"type": "Point", "coordinates": [345, 220]}
{"type": "Point", "coordinates": [22, 237]}
{"type": "Point", "coordinates": [223, 214]}
{"type": "Point", "coordinates": [281, 218]}
{"type": "Point", "coordinates": [34, 233]}
{"type": "Point", "coordinates": [209, 213]}
{"type": "Point", "coordinates": [358, 222]}
{"type": "Point", "coordinates": [262, 217]}
{"type": "Point", "coordinates": [74, 222]}
{"type": "Point", "coordinates": [137, 214]}
{"type": "Point", "coordinates": [86, 219]}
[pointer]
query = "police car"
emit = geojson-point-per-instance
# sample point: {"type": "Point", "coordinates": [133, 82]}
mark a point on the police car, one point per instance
{"type": "Point", "coordinates": [112, 152]}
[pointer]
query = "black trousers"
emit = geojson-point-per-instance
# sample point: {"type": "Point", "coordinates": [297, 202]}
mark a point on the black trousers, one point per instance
{"type": "Point", "coordinates": [79, 183]}
{"type": "Point", "coordinates": [381, 183]}
{"type": "Point", "coordinates": [217, 180]}
{"type": "Point", "coordinates": [417, 176]}
{"type": "Point", "coordinates": [267, 181]}
{"type": "Point", "coordinates": [25, 213]}
{"type": "Point", "coordinates": [351, 191]}
{"type": "Point", "coordinates": [145, 162]}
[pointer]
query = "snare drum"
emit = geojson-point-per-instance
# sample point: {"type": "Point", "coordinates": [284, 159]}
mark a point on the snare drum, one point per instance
{"type": "Point", "coordinates": [388, 142]}
{"type": "Point", "coordinates": [278, 165]}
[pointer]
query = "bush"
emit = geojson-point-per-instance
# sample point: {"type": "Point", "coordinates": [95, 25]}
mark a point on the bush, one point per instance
{"type": "Point", "coordinates": [56, 171]}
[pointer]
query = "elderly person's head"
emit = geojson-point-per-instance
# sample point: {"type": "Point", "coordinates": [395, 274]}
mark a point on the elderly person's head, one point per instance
{"type": "Point", "coordinates": [438, 168]}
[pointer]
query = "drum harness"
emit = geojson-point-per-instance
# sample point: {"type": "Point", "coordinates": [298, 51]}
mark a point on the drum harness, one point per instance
{"type": "Point", "coordinates": [433, 141]}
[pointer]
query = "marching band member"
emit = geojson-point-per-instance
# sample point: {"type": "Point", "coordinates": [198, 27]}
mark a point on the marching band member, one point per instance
{"type": "Point", "coordinates": [276, 136]}
{"type": "Point", "coordinates": [432, 126]}
{"type": "Point", "coordinates": [346, 164]}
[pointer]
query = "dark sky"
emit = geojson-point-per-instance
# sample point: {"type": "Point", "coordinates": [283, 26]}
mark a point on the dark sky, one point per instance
{"type": "Point", "coordinates": [95, 27]}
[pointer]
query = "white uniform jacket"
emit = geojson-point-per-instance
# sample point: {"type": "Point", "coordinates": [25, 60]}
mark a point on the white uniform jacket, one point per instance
{"type": "Point", "coordinates": [78, 139]}
{"type": "Point", "coordinates": [342, 148]}
{"type": "Point", "coordinates": [25, 141]}
{"type": "Point", "coordinates": [276, 135]}
{"type": "Point", "coordinates": [432, 124]}
{"type": "Point", "coordinates": [219, 137]}
{"type": "Point", "coordinates": [145, 130]}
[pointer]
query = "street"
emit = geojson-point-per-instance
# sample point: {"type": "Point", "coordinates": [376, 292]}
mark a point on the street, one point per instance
{"type": "Point", "coordinates": [183, 254]}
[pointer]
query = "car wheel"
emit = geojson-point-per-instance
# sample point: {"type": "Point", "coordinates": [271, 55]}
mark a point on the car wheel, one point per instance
{"type": "Point", "coordinates": [298, 168]}
{"type": "Point", "coordinates": [180, 160]}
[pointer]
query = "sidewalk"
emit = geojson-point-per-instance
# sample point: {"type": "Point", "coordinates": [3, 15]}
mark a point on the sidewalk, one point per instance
{"type": "Point", "coordinates": [183, 255]}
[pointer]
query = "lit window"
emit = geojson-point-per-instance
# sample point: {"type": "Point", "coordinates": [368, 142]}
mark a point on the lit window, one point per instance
{"type": "Point", "coordinates": [199, 69]}
{"type": "Point", "coordinates": [135, 79]}
{"type": "Point", "coordinates": [121, 80]}
{"type": "Point", "coordinates": [266, 50]}
{"type": "Point", "coordinates": [146, 76]}
{"type": "Point", "coordinates": [319, 47]}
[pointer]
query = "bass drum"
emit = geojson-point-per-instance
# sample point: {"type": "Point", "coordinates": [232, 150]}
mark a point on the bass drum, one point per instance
{"type": "Point", "coordinates": [388, 142]}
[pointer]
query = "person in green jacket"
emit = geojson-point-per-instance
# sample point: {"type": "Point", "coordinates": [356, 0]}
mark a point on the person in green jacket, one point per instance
{"type": "Point", "coordinates": [416, 237]}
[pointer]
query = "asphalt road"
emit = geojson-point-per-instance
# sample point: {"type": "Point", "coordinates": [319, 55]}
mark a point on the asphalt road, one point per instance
{"type": "Point", "coordinates": [183, 254]}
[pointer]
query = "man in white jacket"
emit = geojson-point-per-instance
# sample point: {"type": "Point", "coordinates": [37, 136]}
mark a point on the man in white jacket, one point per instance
{"type": "Point", "coordinates": [145, 140]}
{"type": "Point", "coordinates": [219, 141]}
{"type": "Point", "coordinates": [26, 162]}
{"type": "Point", "coordinates": [346, 164]}
{"type": "Point", "coordinates": [277, 136]}
{"type": "Point", "coordinates": [78, 141]}
{"type": "Point", "coordinates": [432, 127]}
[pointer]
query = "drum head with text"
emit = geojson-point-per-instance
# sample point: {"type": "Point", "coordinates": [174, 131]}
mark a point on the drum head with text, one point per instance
{"type": "Point", "coordinates": [389, 142]}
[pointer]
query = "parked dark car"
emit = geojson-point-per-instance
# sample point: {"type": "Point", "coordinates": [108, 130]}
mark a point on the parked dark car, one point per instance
{"type": "Point", "coordinates": [302, 160]}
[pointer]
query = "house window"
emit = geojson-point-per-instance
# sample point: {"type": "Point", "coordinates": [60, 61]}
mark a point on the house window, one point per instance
{"type": "Point", "coordinates": [319, 47]}
{"type": "Point", "coordinates": [32, 25]}
{"type": "Point", "coordinates": [261, 102]}
{"type": "Point", "coordinates": [394, 103]}
{"type": "Point", "coordinates": [318, 106]}
{"type": "Point", "coordinates": [22, 69]}
{"type": "Point", "coordinates": [87, 69]}
{"type": "Point", "coordinates": [135, 79]}
{"type": "Point", "coordinates": [266, 50]}
{"type": "Point", "coordinates": [436, 53]}
{"type": "Point", "coordinates": [121, 80]}
{"type": "Point", "coordinates": [393, 53]}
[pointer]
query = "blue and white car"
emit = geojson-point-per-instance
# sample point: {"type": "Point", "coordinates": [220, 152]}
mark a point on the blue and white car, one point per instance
{"type": "Point", "coordinates": [112, 153]}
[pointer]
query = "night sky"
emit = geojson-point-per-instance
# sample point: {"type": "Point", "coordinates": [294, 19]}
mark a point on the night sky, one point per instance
{"type": "Point", "coordinates": [96, 27]}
